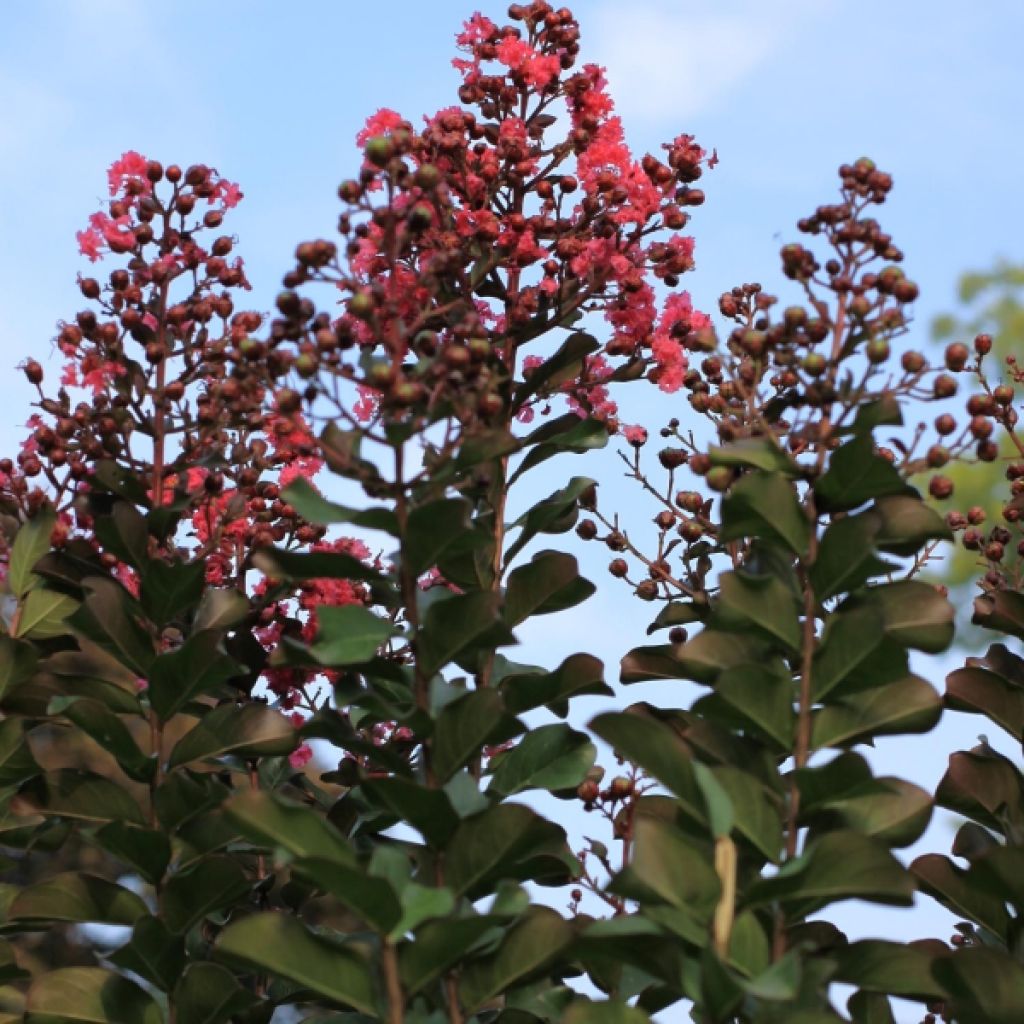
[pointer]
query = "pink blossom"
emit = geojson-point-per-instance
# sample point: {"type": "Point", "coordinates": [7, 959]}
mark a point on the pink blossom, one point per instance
{"type": "Point", "coordinates": [130, 167]}
{"type": "Point", "coordinates": [478, 29]}
{"type": "Point", "coordinates": [635, 435]}
{"type": "Point", "coordinates": [300, 756]}
{"type": "Point", "coordinates": [383, 122]}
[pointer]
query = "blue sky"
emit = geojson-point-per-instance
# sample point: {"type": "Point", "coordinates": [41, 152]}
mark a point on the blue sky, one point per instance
{"type": "Point", "coordinates": [272, 95]}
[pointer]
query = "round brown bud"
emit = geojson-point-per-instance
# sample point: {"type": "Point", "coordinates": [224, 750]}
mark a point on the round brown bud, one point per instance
{"type": "Point", "coordinates": [957, 355]}
{"type": "Point", "coordinates": [620, 787]}
{"type": "Point", "coordinates": [33, 371]}
{"type": "Point", "coordinates": [937, 456]}
{"type": "Point", "coordinates": [647, 590]}
{"type": "Point", "coordinates": [586, 529]}
{"type": "Point", "coordinates": [588, 791]}
{"type": "Point", "coordinates": [944, 386]}
{"type": "Point", "coordinates": [945, 424]}
{"type": "Point", "coordinates": [912, 362]}
{"type": "Point", "coordinates": [994, 551]}
{"type": "Point", "coordinates": [677, 635]}
{"type": "Point", "coordinates": [983, 344]}
{"type": "Point", "coordinates": [618, 567]}
{"type": "Point", "coordinates": [940, 487]}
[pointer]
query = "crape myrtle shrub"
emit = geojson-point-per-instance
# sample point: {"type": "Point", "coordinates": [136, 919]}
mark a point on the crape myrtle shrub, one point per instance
{"type": "Point", "coordinates": [185, 613]}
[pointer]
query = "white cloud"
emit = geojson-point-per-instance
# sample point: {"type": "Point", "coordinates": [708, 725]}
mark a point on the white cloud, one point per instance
{"type": "Point", "coordinates": [680, 57]}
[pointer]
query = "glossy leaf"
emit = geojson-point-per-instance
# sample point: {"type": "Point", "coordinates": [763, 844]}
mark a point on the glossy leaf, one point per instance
{"type": "Point", "coordinates": [90, 995]}
{"type": "Point", "coordinates": [272, 820]}
{"type": "Point", "coordinates": [907, 706]}
{"type": "Point", "coordinates": [455, 624]}
{"type": "Point", "coordinates": [555, 514]}
{"type": "Point", "coordinates": [579, 675]}
{"type": "Point", "coordinates": [209, 994]}
{"type": "Point", "coordinates": [80, 898]}
{"type": "Point", "coordinates": [97, 721]}
{"type": "Point", "coordinates": [83, 796]}
{"type": "Point", "coordinates": [527, 948]}
{"type": "Point", "coordinates": [281, 944]}
{"type": "Point", "coordinates": [463, 728]}
{"type": "Point", "coordinates": [551, 757]}
{"type": "Point", "coordinates": [487, 843]}
{"type": "Point", "coordinates": [198, 668]}
{"type": "Point", "coordinates": [840, 865]}
{"type": "Point", "coordinates": [314, 507]}
{"type": "Point", "coordinates": [549, 583]}
{"type": "Point", "coordinates": [30, 544]}
{"type": "Point", "coordinates": [44, 614]}
{"type": "Point", "coordinates": [214, 883]}
{"type": "Point", "coordinates": [348, 634]}
{"type": "Point", "coordinates": [144, 850]}
{"type": "Point", "coordinates": [247, 730]}
{"type": "Point", "coordinates": [764, 505]}
{"type": "Point", "coordinates": [764, 602]}
{"type": "Point", "coordinates": [856, 475]}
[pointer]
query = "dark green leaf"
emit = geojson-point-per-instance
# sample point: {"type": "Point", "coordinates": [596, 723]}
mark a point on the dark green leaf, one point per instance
{"type": "Point", "coordinates": [578, 675]}
{"type": "Point", "coordinates": [762, 601]}
{"type": "Point", "coordinates": [146, 851]}
{"type": "Point", "coordinates": [765, 505]}
{"type": "Point", "coordinates": [976, 689]}
{"type": "Point", "coordinates": [896, 969]}
{"type": "Point", "coordinates": [549, 583]}
{"type": "Point", "coordinates": [585, 1012]}
{"type": "Point", "coordinates": [954, 888]}
{"type": "Point", "coordinates": [678, 613]}
{"type": "Point", "coordinates": [555, 514]}
{"type": "Point", "coordinates": [565, 434]}
{"type": "Point", "coordinates": [838, 866]}
{"type": "Point", "coordinates": [907, 524]}
{"type": "Point", "coordinates": [198, 668]}
{"type": "Point", "coordinates": [438, 946]}
{"type": "Point", "coordinates": [214, 883]}
{"type": "Point", "coordinates": [907, 706]}
{"type": "Point", "coordinates": [153, 953]}
{"type": "Point", "coordinates": [667, 867]}
{"type": "Point", "coordinates": [429, 811]}
{"type": "Point", "coordinates": [463, 728]}
{"type": "Point", "coordinates": [846, 558]}
{"type": "Point", "coordinates": [79, 795]}
{"type": "Point", "coordinates": [90, 995]}
{"type": "Point", "coordinates": [247, 730]}
{"type": "Point", "coordinates": [16, 761]}
{"type": "Point", "coordinates": [209, 994]}
{"type": "Point", "coordinates": [495, 840]}
{"type": "Point", "coordinates": [114, 622]}
{"type": "Point", "coordinates": [281, 944]}
{"type": "Point", "coordinates": [763, 695]}
{"type": "Point", "coordinates": [455, 624]}
{"type": "Point", "coordinates": [348, 634]}
{"type": "Point", "coordinates": [856, 475]}
{"type": "Point", "coordinates": [271, 820]}
{"type": "Point", "coordinates": [168, 589]}
{"type": "Point", "coordinates": [658, 749]}
{"type": "Point", "coordinates": [987, 986]}
{"type": "Point", "coordinates": [311, 565]}
{"type": "Point", "coordinates": [97, 721]}
{"type": "Point", "coordinates": [527, 948]}
{"type": "Point", "coordinates": [431, 529]}
{"type": "Point", "coordinates": [313, 506]}
{"type": "Point", "coordinates": [220, 609]}
{"type": "Point", "coordinates": [758, 452]}
{"type": "Point", "coordinates": [563, 365]}
{"type": "Point", "coordinates": [551, 757]}
{"type": "Point", "coordinates": [79, 898]}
